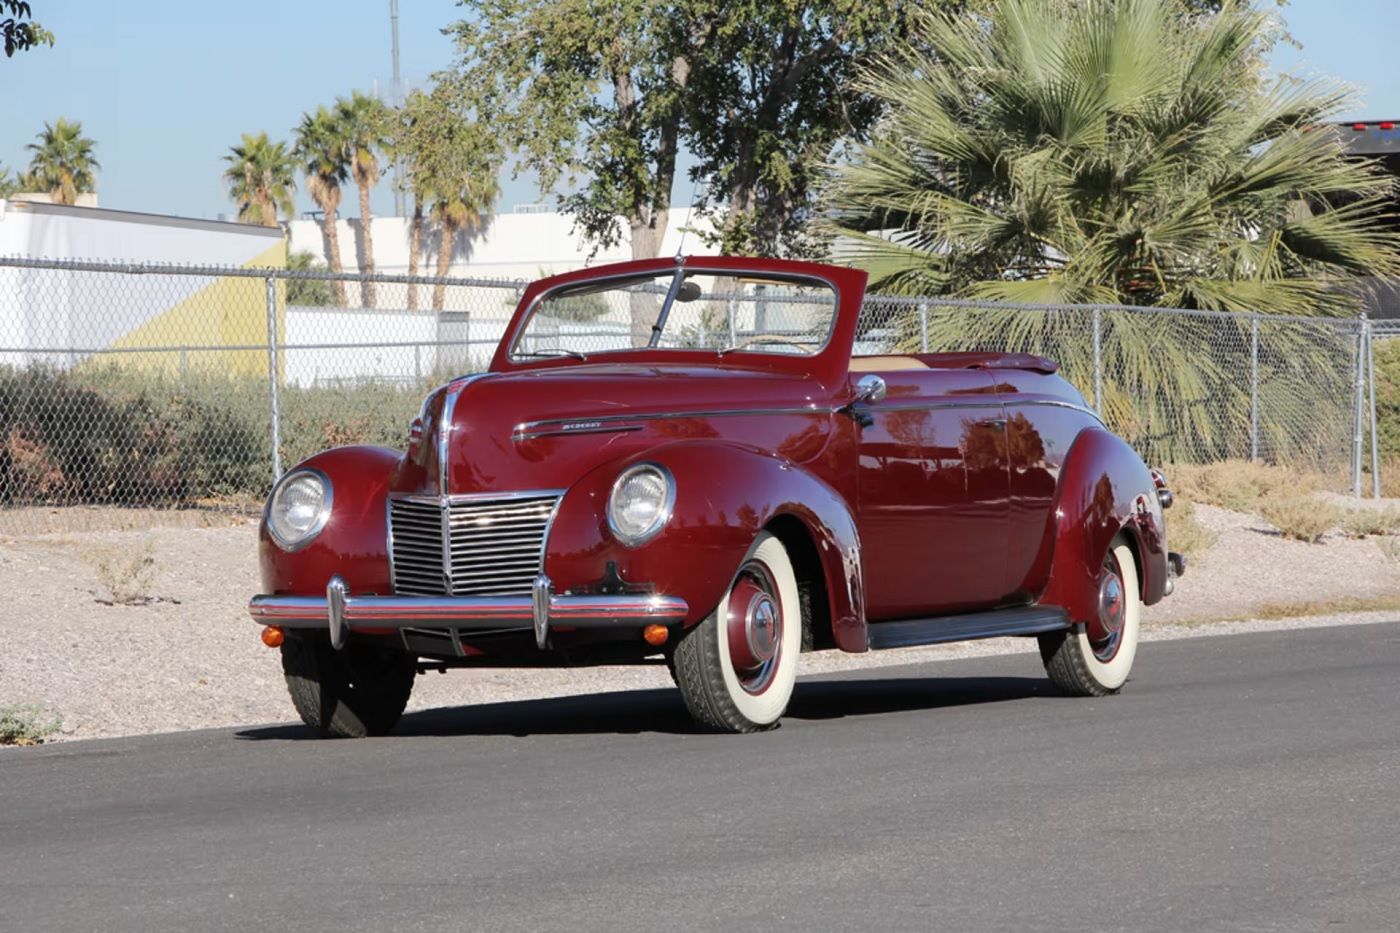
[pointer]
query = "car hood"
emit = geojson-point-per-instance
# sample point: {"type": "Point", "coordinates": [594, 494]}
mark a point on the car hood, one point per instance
{"type": "Point", "coordinates": [543, 428]}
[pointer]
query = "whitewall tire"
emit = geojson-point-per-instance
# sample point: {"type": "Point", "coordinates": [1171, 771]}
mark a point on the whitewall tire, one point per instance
{"type": "Point", "coordinates": [1095, 659]}
{"type": "Point", "coordinates": [737, 668]}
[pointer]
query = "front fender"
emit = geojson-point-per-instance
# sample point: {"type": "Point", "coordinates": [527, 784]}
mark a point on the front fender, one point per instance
{"type": "Point", "coordinates": [1104, 489]}
{"type": "Point", "coordinates": [725, 495]}
{"type": "Point", "coordinates": [354, 543]}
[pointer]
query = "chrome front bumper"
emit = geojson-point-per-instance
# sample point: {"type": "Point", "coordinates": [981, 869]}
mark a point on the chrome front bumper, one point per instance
{"type": "Point", "coordinates": [339, 612]}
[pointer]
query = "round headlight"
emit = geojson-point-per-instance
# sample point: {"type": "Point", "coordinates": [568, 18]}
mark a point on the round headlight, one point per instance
{"type": "Point", "coordinates": [641, 502]}
{"type": "Point", "coordinates": [299, 508]}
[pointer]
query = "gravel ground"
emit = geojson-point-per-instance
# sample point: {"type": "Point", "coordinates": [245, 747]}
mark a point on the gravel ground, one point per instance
{"type": "Point", "coordinates": [187, 656]}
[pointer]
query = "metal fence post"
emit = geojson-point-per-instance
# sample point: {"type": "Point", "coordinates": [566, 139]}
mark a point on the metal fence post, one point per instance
{"type": "Point", "coordinates": [272, 380]}
{"type": "Point", "coordinates": [1254, 388]}
{"type": "Point", "coordinates": [1098, 360]}
{"type": "Point", "coordinates": [1375, 438]}
{"type": "Point", "coordinates": [923, 325]}
{"type": "Point", "coordinates": [1358, 424]}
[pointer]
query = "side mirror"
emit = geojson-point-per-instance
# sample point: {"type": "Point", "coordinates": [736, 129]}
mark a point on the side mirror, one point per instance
{"type": "Point", "coordinates": [869, 389]}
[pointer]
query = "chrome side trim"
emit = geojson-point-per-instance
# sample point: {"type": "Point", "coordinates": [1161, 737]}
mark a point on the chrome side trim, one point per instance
{"type": "Point", "coordinates": [528, 430]}
{"type": "Point", "coordinates": [939, 406]}
{"type": "Point", "coordinates": [583, 427]}
{"type": "Point", "coordinates": [1048, 403]}
{"type": "Point", "coordinates": [988, 403]}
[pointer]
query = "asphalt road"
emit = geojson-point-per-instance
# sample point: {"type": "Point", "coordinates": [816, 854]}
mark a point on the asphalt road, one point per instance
{"type": "Point", "coordinates": [1246, 783]}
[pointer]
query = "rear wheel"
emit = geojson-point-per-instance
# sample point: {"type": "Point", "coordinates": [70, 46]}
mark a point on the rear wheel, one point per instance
{"type": "Point", "coordinates": [357, 691]}
{"type": "Point", "coordinates": [736, 669]}
{"type": "Point", "coordinates": [1095, 659]}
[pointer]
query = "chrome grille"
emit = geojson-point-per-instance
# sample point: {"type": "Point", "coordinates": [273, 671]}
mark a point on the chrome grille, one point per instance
{"type": "Point", "coordinates": [495, 547]}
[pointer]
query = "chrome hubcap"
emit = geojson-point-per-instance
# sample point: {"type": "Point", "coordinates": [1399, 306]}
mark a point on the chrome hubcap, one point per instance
{"type": "Point", "coordinates": [1106, 635]}
{"type": "Point", "coordinates": [754, 628]}
{"type": "Point", "coordinates": [761, 625]}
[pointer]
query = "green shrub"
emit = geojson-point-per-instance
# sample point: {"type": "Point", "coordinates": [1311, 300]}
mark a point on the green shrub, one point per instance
{"type": "Point", "coordinates": [114, 436]}
{"type": "Point", "coordinates": [26, 725]}
{"type": "Point", "coordinates": [1387, 356]}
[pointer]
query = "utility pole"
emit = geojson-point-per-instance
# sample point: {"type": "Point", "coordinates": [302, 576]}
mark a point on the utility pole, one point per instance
{"type": "Point", "coordinates": [398, 102]}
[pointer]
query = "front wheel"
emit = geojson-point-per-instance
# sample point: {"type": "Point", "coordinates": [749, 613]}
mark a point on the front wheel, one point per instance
{"type": "Point", "coordinates": [357, 691]}
{"type": "Point", "coordinates": [1093, 660]}
{"type": "Point", "coordinates": [736, 669]}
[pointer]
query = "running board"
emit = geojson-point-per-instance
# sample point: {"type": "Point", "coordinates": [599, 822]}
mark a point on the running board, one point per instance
{"type": "Point", "coordinates": [1023, 620]}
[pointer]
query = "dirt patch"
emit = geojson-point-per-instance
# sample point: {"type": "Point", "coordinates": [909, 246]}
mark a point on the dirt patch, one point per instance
{"type": "Point", "coordinates": [183, 654]}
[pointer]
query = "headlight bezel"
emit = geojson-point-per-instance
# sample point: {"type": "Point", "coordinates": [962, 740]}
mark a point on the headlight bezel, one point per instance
{"type": "Point", "coordinates": [323, 512]}
{"type": "Point", "coordinates": [663, 515]}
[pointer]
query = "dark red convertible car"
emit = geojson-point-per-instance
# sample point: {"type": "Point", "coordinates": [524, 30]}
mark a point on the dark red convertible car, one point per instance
{"type": "Point", "coordinates": [682, 460]}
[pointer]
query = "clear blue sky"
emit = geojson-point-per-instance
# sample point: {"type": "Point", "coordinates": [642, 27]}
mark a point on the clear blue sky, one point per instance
{"type": "Point", "coordinates": [166, 86]}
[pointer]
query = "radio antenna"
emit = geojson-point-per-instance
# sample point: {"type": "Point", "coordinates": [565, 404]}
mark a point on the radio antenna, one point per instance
{"type": "Point", "coordinates": [694, 187]}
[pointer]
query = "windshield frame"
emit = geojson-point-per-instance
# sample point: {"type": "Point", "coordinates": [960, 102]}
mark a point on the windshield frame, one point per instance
{"type": "Point", "coordinates": [679, 271]}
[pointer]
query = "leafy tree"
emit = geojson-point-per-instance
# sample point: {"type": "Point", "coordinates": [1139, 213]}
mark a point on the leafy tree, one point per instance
{"type": "Point", "coordinates": [1111, 152]}
{"type": "Point", "coordinates": [261, 179]}
{"type": "Point", "coordinates": [63, 163]}
{"type": "Point", "coordinates": [20, 35]}
{"type": "Point", "coordinates": [589, 93]}
{"type": "Point", "coordinates": [309, 292]}
{"type": "Point", "coordinates": [364, 127]}
{"type": "Point", "coordinates": [771, 97]}
{"type": "Point", "coordinates": [320, 147]}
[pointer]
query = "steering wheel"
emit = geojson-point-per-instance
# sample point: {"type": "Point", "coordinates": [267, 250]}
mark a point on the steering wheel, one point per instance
{"type": "Point", "coordinates": [775, 338]}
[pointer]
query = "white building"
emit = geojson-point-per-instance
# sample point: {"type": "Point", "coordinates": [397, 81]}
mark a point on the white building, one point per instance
{"type": "Point", "coordinates": [519, 245]}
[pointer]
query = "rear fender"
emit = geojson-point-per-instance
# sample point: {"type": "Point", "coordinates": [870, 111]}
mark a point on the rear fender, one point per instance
{"type": "Point", "coordinates": [1104, 489]}
{"type": "Point", "coordinates": [725, 495]}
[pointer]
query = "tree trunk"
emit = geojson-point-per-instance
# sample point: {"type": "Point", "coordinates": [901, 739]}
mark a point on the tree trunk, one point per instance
{"type": "Point", "coordinates": [333, 254]}
{"type": "Point", "coordinates": [444, 264]}
{"type": "Point", "coordinates": [415, 240]}
{"type": "Point", "coordinates": [646, 243]}
{"type": "Point", "coordinates": [366, 246]}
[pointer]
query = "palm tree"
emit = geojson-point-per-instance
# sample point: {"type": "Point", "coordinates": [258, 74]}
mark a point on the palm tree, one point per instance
{"type": "Point", "coordinates": [9, 184]}
{"type": "Point", "coordinates": [416, 138]}
{"type": "Point", "coordinates": [261, 179]}
{"type": "Point", "coordinates": [451, 165]}
{"type": "Point", "coordinates": [63, 164]}
{"type": "Point", "coordinates": [365, 128]}
{"type": "Point", "coordinates": [320, 147]}
{"type": "Point", "coordinates": [1111, 152]}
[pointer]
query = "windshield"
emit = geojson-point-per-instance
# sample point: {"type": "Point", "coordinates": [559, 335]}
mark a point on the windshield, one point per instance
{"type": "Point", "coordinates": [722, 312]}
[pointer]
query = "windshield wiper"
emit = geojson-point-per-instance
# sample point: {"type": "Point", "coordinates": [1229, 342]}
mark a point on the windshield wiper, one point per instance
{"type": "Point", "coordinates": [552, 352]}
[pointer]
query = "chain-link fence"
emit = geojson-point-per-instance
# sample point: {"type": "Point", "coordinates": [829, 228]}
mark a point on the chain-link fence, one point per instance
{"type": "Point", "coordinates": [151, 385]}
